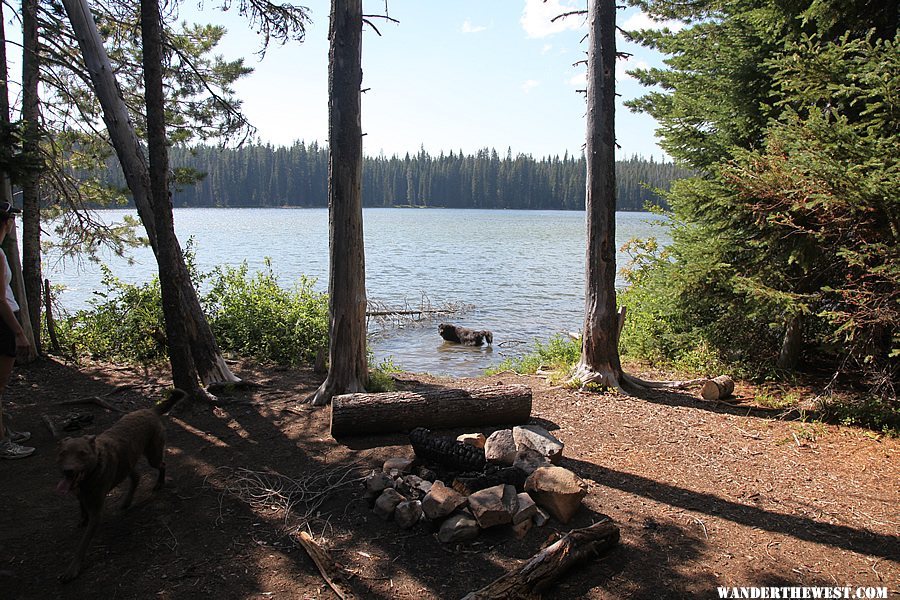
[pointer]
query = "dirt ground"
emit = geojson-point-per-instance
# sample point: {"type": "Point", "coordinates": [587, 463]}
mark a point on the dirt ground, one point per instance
{"type": "Point", "coordinates": [706, 495]}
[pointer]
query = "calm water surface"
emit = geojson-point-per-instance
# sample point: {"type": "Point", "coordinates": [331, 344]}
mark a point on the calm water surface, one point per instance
{"type": "Point", "coordinates": [522, 272]}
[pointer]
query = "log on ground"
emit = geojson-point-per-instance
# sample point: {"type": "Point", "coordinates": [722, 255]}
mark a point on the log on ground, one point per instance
{"type": "Point", "coordinates": [355, 414]}
{"type": "Point", "coordinates": [551, 562]}
{"type": "Point", "coordinates": [717, 388]}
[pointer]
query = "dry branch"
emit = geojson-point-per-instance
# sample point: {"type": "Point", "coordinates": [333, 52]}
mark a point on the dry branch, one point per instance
{"type": "Point", "coordinates": [551, 562]}
{"type": "Point", "coordinates": [99, 401]}
{"type": "Point", "coordinates": [330, 571]}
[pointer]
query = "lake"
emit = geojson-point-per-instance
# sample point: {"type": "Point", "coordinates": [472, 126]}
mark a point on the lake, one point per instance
{"type": "Point", "coordinates": [521, 273]}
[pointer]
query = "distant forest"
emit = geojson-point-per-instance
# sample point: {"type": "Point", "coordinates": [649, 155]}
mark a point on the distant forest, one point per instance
{"type": "Point", "coordinates": [266, 176]}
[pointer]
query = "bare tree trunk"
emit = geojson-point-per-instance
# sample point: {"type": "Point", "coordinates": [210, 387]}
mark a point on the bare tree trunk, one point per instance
{"type": "Point", "coordinates": [599, 352]}
{"type": "Point", "coordinates": [168, 251]}
{"type": "Point", "coordinates": [347, 369]}
{"type": "Point", "coordinates": [792, 344]}
{"type": "Point", "coordinates": [31, 198]}
{"type": "Point", "coordinates": [11, 244]}
{"type": "Point", "coordinates": [207, 362]}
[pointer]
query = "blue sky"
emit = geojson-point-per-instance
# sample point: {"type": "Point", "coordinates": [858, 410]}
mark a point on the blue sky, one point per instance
{"type": "Point", "coordinates": [458, 75]}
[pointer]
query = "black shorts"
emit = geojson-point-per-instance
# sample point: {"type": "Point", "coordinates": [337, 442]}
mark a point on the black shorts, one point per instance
{"type": "Point", "coordinates": [7, 340]}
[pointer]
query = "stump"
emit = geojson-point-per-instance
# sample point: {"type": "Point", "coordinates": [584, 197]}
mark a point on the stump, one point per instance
{"type": "Point", "coordinates": [717, 388]}
{"type": "Point", "coordinates": [355, 414]}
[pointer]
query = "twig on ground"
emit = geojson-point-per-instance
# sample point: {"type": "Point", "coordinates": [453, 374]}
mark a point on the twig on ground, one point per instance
{"type": "Point", "coordinates": [49, 423]}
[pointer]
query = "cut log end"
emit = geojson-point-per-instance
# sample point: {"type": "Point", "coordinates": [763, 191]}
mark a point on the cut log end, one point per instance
{"type": "Point", "coordinates": [717, 388]}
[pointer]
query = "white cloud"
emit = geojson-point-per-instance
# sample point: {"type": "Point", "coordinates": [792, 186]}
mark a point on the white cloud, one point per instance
{"type": "Point", "coordinates": [468, 27]}
{"type": "Point", "coordinates": [530, 85]}
{"type": "Point", "coordinates": [537, 16]}
{"type": "Point", "coordinates": [641, 20]}
{"type": "Point", "coordinates": [547, 48]}
{"type": "Point", "coordinates": [579, 80]}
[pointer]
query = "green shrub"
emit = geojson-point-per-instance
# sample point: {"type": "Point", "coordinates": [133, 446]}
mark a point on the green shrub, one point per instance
{"type": "Point", "coordinates": [380, 379]}
{"type": "Point", "coordinates": [250, 315]}
{"type": "Point", "coordinates": [255, 316]}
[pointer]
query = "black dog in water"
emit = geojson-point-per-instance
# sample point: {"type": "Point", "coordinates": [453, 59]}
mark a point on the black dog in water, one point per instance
{"type": "Point", "coordinates": [464, 336]}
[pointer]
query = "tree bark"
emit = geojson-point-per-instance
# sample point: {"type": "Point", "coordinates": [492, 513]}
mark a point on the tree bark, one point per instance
{"type": "Point", "coordinates": [347, 366]}
{"type": "Point", "coordinates": [31, 199]}
{"type": "Point", "coordinates": [792, 343]}
{"type": "Point", "coordinates": [551, 562]}
{"type": "Point", "coordinates": [168, 251]}
{"type": "Point", "coordinates": [11, 245]}
{"type": "Point", "coordinates": [208, 362]}
{"type": "Point", "coordinates": [354, 414]}
{"type": "Point", "coordinates": [599, 352]}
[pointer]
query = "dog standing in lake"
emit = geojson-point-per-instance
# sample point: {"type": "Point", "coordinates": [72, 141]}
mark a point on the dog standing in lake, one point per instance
{"type": "Point", "coordinates": [465, 336]}
{"type": "Point", "coordinates": [92, 465]}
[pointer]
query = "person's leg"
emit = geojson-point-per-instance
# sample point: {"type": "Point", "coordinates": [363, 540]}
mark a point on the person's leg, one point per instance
{"type": "Point", "coordinates": [8, 448]}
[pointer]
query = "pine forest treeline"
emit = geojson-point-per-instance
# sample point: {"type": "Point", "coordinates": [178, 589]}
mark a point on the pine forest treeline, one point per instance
{"type": "Point", "coordinates": [296, 176]}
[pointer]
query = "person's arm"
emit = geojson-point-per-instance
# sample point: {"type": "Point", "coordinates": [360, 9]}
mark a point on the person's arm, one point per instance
{"type": "Point", "coordinates": [7, 314]}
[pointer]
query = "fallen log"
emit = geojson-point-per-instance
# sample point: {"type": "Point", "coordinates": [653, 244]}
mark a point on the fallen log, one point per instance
{"type": "Point", "coordinates": [551, 562]}
{"type": "Point", "coordinates": [355, 414]}
{"type": "Point", "coordinates": [717, 388]}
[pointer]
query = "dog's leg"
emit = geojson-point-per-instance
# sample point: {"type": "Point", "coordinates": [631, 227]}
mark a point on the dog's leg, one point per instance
{"type": "Point", "coordinates": [161, 479]}
{"type": "Point", "coordinates": [84, 513]}
{"type": "Point", "coordinates": [132, 486]}
{"type": "Point", "coordinates": [75, 566]}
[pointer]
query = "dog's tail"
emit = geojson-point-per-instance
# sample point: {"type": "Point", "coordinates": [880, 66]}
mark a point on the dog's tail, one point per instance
{"type": "Point", "coordinates": [164, 406]}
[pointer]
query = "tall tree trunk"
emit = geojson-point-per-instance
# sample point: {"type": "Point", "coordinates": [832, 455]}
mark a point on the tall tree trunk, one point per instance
{"type": "Point", "coordinates": [792, 343]}
{"type": "Point", "coordinates": [207, 360]}
{"type": "Point", "coordinates": [168, 251]}
{"type": "Point", "coordinates": [11, 244]}
{"type": "Point", "coordinates": [31, 198]}
{"type": "Point", "coordinates": [347, 369]}
{"type": "Point", "coordinates": [600, 352]}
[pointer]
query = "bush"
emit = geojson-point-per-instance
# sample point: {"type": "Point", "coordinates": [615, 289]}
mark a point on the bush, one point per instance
{"type": "Point", "coordinates": [254, 316]}
{"type": "Point", "coordinates": [249, 315]}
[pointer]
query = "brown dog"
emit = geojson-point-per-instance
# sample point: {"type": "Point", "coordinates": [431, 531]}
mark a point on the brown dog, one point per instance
{"type": "Point", "coordinates": [465, 336]}
{"type": "Point", "coordinates": [92, 465]}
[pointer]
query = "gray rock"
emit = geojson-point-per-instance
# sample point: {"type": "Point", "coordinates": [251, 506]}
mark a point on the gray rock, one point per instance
{"type": "Point", "coordinates": [426, 474]}
{"type": "Point", "coordinates": [526, 509]}
{"type": "Point", "coordinates": [494, 505]}
{"type": "Point", "coordinates": [377, 483]}
{"type": "Point", "coordinates": [528, 459]}
{"type": "Point", "coordinates": [538, 438]}
{"type": "Point", "coordinates": [440, 501]}
{"type": "Point", "coordinates": [459, 527]}
{"type": "Point", "coordinates": [500, 447]}
{"type": "Point", "coordinates": [558, 490]}
{"type": "Point", "coordinates": [408, 513]}
{"type": "Point", "coordinates": [387, 502]}
{"type": "Point", "coordinates": [521, 529]}
{"type": "Point", "coordinates": [540, 517]}
{"type": "Point", "coordinates": [472, 439]}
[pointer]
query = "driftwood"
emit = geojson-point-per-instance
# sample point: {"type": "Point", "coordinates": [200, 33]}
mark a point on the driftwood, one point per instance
{"type": "Point", "coordinates": [717, 388]}
{"type": "Point", "coordinates": [551, 562]}
{"type": "Point", "coordinates": [354, 414]}
{"type": "Point", "coordinates": [330, 571]}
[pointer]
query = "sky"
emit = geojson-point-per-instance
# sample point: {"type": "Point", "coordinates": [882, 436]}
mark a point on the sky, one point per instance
{"type": "Point", "coordinates": [460, 75]}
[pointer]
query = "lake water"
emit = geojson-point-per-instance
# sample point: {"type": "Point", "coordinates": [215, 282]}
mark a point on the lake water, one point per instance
{"type": "Point", "coordinates": [521, 272]}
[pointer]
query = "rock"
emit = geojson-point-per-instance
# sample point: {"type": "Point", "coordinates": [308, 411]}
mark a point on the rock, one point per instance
{"type": "Point", "coordinates": [500, 447]}
{"type": "Point", "coordinates": [459, 527]}
{"type": "Point", "coordinates": [377, 483]}
{"type": "Point", "coordinates": [440, 501]}
{"type": "Point", "coordinates": [528, 459]}
{"type": "Point", "coordinates": [521, 529]}
{"type": "Point", "coordinates": [539, 439]}
{"type": "Point", "coordinates": [408, 513]}
{"type": "Point", "coordinates": [402, 465]}
{"type": "Point", "coordinates": [494, 505]}
{"type": "Point", "coordinates": [558, 490]}
{"type": "Point", "coordinates": [526, 509]}
{"type": "Point", "coordinates": [412, 486]}
{"type": "Point", "coordinates": [472, 439]}
{"type": "Point", "coordinates": [540, 517]}
{"type": "Point", "coordinates": [387, 502]}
